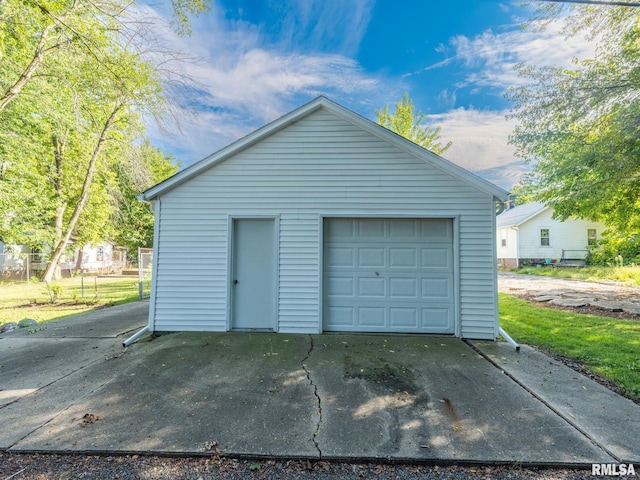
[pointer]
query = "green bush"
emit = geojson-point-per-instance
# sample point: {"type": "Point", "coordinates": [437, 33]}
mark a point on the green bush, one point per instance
{"type": "Point", "coordinates": [616, 252]}
{"type": "Point", "coordinates": [56, 292]}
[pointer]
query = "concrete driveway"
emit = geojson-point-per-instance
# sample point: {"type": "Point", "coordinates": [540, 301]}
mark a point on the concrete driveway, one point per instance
{"type": "Point", "coordinates": [71, 387]}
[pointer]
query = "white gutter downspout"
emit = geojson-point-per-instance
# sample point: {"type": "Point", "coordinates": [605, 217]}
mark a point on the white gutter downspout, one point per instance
{"type": "Point", "coordinates": [140, 333]}
{"type": "Point", "coordinates": [509, 340]}
{"type": "Point", "coordinates": [135, 336]}
{"type": "Point", "coordinates": [501, 331]}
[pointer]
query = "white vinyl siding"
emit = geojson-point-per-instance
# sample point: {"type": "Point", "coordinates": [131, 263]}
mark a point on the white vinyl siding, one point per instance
{"type": "Point", "coordinates": [570, 234]}
{"type": "Point", "coordinates": [319, 166]}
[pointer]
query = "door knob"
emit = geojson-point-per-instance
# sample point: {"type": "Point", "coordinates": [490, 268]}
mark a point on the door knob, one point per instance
{"type": "Point", "coordinates": [235, 282]}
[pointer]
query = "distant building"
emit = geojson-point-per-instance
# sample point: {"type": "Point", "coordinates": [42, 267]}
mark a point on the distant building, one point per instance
{"type": "Point", "coordinates": [21, 262]}
{"type": "Point", "coordinates": [529, 235]}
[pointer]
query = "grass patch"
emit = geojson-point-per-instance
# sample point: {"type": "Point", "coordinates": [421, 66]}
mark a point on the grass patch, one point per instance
{"type": "Point", "coordinates": [629, 275]}
{"type": "Point", "coordinates": [70, 296]}
{"type": "Point", "coordinates": [606, 346]}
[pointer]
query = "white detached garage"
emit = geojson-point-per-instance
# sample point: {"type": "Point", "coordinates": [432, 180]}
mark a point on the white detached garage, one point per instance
{"type": "Point", "coordinates": [325, 221]}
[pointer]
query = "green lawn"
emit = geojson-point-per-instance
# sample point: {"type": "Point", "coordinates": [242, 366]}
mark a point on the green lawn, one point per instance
{"type": "Point", "coordinates": [629, 275]}
{"type": "Point", "coordinates": [607, 347]}
{"type": "Point", "coordinates": [74, 295]}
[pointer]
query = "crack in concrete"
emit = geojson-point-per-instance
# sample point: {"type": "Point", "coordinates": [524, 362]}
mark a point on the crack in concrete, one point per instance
{"type": "Point", "coordinates": [315, 392]}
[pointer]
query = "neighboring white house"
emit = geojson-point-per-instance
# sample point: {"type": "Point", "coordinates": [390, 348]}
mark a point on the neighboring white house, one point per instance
{"type": "Point", "coordinates": [529, 235]}
{"type": "Point", "coordinates": [17, 261]}
{"type": "Point", "coordinates": [325, 221]}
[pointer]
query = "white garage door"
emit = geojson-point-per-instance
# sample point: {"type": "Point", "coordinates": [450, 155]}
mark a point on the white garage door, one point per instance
{"type": "Point", "coordinates": [388, 275]}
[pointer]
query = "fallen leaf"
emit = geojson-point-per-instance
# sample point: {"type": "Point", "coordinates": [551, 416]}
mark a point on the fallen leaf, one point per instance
{"type": "Point", "coordinates": [89, 418]}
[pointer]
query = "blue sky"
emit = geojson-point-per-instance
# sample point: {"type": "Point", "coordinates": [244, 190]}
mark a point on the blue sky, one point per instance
{"type": "Point", "coordinates": [257, 60]}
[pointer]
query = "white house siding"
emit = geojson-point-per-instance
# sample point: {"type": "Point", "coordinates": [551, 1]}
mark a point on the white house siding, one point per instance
{"type": "Point", "coordinates": [509, 253]}
{"type": "Point", "coordinates": [568, 235]}
{"type": "Point", "coordinates": [318, 166]}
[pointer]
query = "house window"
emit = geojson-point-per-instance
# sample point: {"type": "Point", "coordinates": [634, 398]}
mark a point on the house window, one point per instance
{"type": "Point", "coordinates": [100, 254]}
{"type": "Point", "coordinates": [592, 237]}
{"type": "Point", "coordinates": [544, 237]}
{"type": "Point", "coordinates": [503, 238]}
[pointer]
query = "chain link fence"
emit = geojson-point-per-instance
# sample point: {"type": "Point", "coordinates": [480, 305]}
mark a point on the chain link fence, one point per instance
{"type": "Point", "coordinates": [20, 266]}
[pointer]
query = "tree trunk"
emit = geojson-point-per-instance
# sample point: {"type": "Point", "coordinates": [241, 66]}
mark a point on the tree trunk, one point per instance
{"type": "Point", "coordinates": [84, 195]}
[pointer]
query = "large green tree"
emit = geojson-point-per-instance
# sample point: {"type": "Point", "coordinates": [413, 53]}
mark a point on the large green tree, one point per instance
{"type": "Point", "coordinates": [31, 31]}
{"type": "Point", "coordinates": [580, 126]}
{"type": "Point", "coordinates": [133, 219]}
{"type": "Point", "coordinates": [410, 123]}
{"type": "Point", "coordinates": [72, 96]}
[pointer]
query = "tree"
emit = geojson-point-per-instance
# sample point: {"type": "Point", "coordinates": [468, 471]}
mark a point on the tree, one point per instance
{"type": "Point", "coordinates": [68, 126]}
{"type": "Point", "coordinates": [581, 126]}
{"type": "Point", "coordinates": [33, 30]}
{"type": "Point", "coordinates": [407, 122]}
{"type": "Point", "coordinates": [133, 219]}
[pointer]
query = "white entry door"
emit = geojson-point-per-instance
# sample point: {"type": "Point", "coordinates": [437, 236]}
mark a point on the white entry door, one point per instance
{"type": "Point", "coordinates": [253, 275]}
{"type": "Point", "coordinates": [388, 275]}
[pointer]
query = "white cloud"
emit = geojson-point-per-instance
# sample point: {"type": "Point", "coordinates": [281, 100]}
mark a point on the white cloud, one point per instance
{"type": "Point", "coordinates": [492, 56]}
{"type": "Point", "coordinates": [481, 144]}
{"type": "Point", "coordinates": [335, 25]}
{"type": "Point", "coordinates": [243, 82]}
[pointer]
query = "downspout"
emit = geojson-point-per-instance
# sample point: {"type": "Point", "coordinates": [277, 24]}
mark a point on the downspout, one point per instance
{"type": "Point", "coordinates": [135, 336]}
{"type": "Point", "coordinates": [504, 334]}
{"type": "Point", "coordinates": [509, 340]}
{"type": "Point", "coordinates": [148, 327]}
{"type": "Point", "coordinates": [501, 331]}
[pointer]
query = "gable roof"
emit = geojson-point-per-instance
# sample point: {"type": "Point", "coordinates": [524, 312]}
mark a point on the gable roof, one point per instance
{"type": "Point", "coordinates": [357, 120]}
{"type": "Point", "coordinates": [520, 214]}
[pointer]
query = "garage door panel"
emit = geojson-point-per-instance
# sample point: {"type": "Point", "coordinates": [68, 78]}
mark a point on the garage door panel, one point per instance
{"type": "Point", "coordinates": [372, 317]}
{"type": "Point", "coordinates": [371, 287]}
{"type": "Point", "coordinates": [388, 275]}
{"type": "Point", "coordinates": [436, 229]}
{"type": "Point", "coordinates": [406, 288]}
{"type": "Point", "coordinates": [373, 228]}
{"type": "Point", "coordinates": [341, 317]}
{"type": "Point", "coordinates": [371, 257]}
{"type": "Point", "coordinates": [436, 288]}
{"type": "Point", "coordinates": [438, 319]}
{"type": "Point", "coordinates": [340, 228]}
{"type": "Point", "coordinates": [340, 257]}
{"type": "Point", "coordinates": [404, 228]}
{"type": "Point", "coordinates": [403, 317]}
{"type": "Point", "coordinates": [436, 258]}
{"type": "Point", "coordinates": [403, 258]}
{"type": "Point", "coordinates": [340, 286]}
